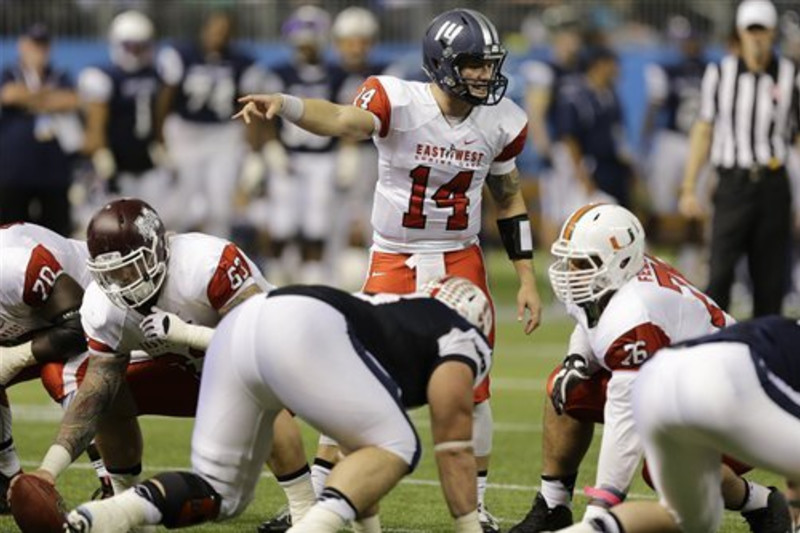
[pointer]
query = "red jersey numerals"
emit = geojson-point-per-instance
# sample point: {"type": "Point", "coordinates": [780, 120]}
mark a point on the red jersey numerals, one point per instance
{"type": "Point", "coordinates": [232, 272]}
{"type": "Point", "coordinates": [670, 278]}
{"type": "Point", "coordinates": [451, 195]}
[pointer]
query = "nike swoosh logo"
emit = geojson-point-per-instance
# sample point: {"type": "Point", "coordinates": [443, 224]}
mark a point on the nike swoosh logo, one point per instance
{"type": "Point", "coordinates": [470, 141]}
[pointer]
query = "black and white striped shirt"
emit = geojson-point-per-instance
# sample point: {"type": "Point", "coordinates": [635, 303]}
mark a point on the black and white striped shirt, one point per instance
{"type": "Point", "coordinates": [751, 112]}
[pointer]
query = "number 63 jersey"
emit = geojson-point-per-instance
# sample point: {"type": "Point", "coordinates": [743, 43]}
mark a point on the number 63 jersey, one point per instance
{"type": "Point", "coordinates": [205, 274]}
{"type": "Point", "coordinates": [431, 169]}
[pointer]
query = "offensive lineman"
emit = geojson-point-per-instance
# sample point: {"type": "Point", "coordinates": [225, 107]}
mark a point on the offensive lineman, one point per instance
{"type": "Point", "coordinates": [626, 305]}
{"type": "Point", "coordinates": [153, 304]}
{"type": "Point", "coordinates": [735, 392]}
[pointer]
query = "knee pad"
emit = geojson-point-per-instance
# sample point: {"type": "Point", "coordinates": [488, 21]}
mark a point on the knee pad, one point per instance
{"type": "Point", "coordinates": [482, 425]}
{"type": "Point", "coordinates": [183, 498]}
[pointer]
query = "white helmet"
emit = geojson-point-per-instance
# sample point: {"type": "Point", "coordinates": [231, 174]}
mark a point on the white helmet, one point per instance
{"type": "Point", "coordinates": [131, 36]}
{"type": "Point", "coordinates": [464, 297]}
{"type": "Point", "coordinates": [600, 247]}
{"type": "Point", "coordinates": [355, 22]}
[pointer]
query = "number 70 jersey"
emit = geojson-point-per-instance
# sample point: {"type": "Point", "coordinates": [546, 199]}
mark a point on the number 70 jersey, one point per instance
{"type": "Point", "coordinates": [431, 170]}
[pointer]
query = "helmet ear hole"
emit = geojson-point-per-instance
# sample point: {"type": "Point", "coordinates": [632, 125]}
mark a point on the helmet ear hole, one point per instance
{"type": "Point", "coordinates": [624, 262]}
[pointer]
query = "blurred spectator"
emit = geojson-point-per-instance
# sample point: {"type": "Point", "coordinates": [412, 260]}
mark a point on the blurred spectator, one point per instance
{"type": "Point", "coordinates": [119, 104]}
{"type": "Point", "coordinates": [593, 132]}
{"type": "Point", "coordinates": [559, 190]}
{"type": "Point", "coordinates": [38, 133]}
{"type": "Point", "coordinates": [202, 81]}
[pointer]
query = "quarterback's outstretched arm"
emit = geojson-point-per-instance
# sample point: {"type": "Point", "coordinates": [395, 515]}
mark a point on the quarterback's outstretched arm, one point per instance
{"type": "Point", "coordinates": [317, 116]}
{"type": "Point", "coordinates": [512, 220]}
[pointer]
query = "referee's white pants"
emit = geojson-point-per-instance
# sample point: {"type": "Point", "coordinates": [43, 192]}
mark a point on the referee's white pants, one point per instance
{"type": "Point", "coordinates": [694, 404]}
{"type": "Point", "coordinates": [295, 352]}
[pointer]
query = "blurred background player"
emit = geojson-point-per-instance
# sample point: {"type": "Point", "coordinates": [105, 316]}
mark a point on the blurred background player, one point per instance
{"type": "Point", "coordinates": [119, 101]}
{"type": "Point", "coordinates": [39, 133]}
{"type": "Point", "coordinates": [201, 83]}
{"type": "Point", "coordinates": [673, 96]}
{"type": "Point", "coordinates": [593, 132]}
{"type": "Point", "coordinates": [355, 33]}
{"type": "Point", "coordinates": [301, 184]}
{"type": "Point", "coordinates": [546, 82]}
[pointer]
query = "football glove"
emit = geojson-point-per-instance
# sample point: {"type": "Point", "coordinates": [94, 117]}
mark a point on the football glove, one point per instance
{"type": "Point", "coordinates": [168, 327]}
{"type": "Point", "coordinates": [574, 369]}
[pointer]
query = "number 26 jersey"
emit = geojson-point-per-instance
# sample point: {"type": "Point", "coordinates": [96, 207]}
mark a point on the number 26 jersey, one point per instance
{"type": "Point", "coordinates": [431, 170]}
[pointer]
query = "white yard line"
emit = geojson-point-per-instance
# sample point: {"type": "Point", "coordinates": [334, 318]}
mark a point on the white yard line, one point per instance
{"type": "Point", "coordinates": [408, 481]}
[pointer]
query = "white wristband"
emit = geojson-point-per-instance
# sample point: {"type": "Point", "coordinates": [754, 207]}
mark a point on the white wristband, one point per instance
{"type": "Point", "coordinates": [292, 108]}
{"type": "Point", "coordinates": [56, 460]}
{"type": "Point", "coordinates": [469, 523]}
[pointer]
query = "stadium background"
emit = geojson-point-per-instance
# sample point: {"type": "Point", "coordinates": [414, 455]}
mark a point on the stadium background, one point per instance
{"type": "Point", "coordinates": [634, 28]}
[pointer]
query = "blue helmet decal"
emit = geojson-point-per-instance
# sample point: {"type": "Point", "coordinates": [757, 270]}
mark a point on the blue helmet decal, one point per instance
{"type": "Point", "coordinates": [462, 36]}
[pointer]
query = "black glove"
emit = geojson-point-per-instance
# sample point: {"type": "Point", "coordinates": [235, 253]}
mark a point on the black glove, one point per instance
{"type": "Point", "coordinates": [573, 370]}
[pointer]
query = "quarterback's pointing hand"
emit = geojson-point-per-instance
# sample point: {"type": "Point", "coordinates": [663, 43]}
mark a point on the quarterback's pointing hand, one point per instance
{"type": "Point", "coordinates": [263, 106]}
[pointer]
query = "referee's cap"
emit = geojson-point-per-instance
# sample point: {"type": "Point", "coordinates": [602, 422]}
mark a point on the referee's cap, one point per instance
{"type": "Point", "coordinates": [756, 13]}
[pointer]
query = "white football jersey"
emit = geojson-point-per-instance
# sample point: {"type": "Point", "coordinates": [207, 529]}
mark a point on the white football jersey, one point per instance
{"type": "Point", "coordinates": [31, 260]}
{"type": "Point", "coordinates": [655, 309]}
{"type": "Point", "coordinates": [431, 171]}
{"type": "Point", "coordinates": [204, 274]}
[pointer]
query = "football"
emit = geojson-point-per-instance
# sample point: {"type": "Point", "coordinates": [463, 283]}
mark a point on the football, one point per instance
{"type": "Point", "coordinates": [36, 505]}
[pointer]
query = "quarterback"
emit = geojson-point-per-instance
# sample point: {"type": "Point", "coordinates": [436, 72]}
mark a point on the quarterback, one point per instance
{"type": "Point", "coordinates": [438, 144]}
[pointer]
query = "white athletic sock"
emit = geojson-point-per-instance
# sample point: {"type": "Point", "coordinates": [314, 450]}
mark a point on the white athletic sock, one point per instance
{"type": "Point", "coordinates": [556, 492]}
{"type": "Point", "coordinates": [319, 520]}
{"type": "Point", "coordinates": [122, 512]}
{"type": "Point", "coordinates": [370, 524]}
{"type": "Point", "coordinates": [756, 497]}
{"type": "Point", "coordinates": [300, 494]}
{"type": "Point", "coordinates": [123, 482]}
{"type": "Point", "coordinates": [337, 502]}
{"type": "Point", "coordinates": [320, 471]}
{"type": "Point", "coordinates": [483, 477]}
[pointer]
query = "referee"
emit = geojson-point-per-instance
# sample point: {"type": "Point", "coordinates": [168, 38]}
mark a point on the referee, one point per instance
{"type": "Point", "coordinates": [748, 101]}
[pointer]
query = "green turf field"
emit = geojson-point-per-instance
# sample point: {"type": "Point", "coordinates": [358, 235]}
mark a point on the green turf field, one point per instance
{"type": "Point", "coordinates": [521, 367]}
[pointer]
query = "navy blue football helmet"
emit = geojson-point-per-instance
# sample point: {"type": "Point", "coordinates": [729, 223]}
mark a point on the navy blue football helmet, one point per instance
{"type": "Point", "coordinates": [458, 36]}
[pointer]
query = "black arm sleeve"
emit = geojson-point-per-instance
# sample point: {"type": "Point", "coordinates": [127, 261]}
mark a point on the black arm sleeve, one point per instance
{"type": "Point", "coordinates": [61, 341]}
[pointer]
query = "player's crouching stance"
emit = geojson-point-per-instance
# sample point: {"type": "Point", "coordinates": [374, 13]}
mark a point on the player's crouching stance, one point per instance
{"type": "Point", "coordinates": [349, 366]}
{"type": "Point", "coordinates": [736, 392]}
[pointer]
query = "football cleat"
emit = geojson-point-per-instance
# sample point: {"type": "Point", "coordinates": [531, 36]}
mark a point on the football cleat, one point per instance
{"type": "Point", "coordinates": [489, 523]}
{"type": "Point", "coordinates": [277, 524]}
{"type": "Point", "coordinates": [774, 518]}
{"type": "Point", "coordinates": [543, 518]}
